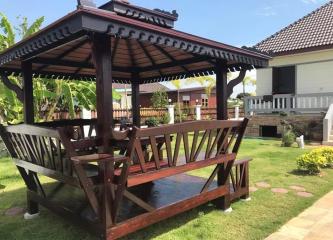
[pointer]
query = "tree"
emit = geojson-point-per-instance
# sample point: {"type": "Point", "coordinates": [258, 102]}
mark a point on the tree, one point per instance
{"type": "Point", "coordinates": [177, 84]}
{"type": "Point", "coordinates": [159, 99]}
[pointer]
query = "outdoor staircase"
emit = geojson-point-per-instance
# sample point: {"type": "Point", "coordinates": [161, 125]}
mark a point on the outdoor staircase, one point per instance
{"type": "Point", "coordinates": [330, 139]}
{"type": "Point", "coordinates": [328, 127]}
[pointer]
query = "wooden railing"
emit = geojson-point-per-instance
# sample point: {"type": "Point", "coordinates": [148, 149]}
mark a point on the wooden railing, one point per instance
{"type": "Point", "coordinates": [189, 113]}
{"type": "Point", "coordinates": [316, 102]}
{"type": "Point", "coordinates": [144, 113]}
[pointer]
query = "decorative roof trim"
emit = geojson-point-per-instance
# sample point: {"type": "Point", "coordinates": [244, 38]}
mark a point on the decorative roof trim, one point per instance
{"type": "Point", "coordinates": [63, 32]}
{"type": "Point", "coordinates": [86, 77]}
{"type": "Point", "coordinates": [156, 16]}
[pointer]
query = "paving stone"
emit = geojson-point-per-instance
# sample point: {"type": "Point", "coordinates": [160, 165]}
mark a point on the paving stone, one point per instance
{"type": "Point", "coordinates": [253, 189]}
{"type": "Point", "coordinates": [263, 185]}
{"type": "Point", "coordinates": [315, 223]}
{"type": "Point", "coordinates": [298, 188]}
{"type": "Point", "coordinates": [15, 211]}
{"type": "Point", "coordinates": [279, 190]}
{"type": "Point", "coordinates": [304, 194]}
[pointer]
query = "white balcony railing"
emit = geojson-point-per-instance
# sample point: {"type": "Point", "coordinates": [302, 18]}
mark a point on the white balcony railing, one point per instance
{"type": "Point", "coordinates": [302, 103]}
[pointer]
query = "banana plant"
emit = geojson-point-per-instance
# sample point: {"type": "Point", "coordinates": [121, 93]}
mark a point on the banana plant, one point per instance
{"type": "Point", "coordinates": [49, 95]}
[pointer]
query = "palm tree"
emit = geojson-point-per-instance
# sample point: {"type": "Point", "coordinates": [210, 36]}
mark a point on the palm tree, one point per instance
{"type": "Point", "coordinates": [177, 84]}
{"type": "Point", "coordinates": [248, 81]}
{"type": "Point", "coordinates": [208, 82]}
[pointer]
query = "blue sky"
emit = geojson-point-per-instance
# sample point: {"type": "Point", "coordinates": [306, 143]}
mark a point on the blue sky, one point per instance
{"type": "Point", "coordinates": [236, 22]}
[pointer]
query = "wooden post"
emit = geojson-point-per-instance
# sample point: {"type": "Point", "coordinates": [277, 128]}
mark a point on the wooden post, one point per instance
{"type": "Point", "coordinates": [101, 54]}
{"type": "Point", "coordinates": [28, 99]}
{"type": "Point", "coordinates": [221, 71]}
{"type": "Point", "coordinates": [136, 100]}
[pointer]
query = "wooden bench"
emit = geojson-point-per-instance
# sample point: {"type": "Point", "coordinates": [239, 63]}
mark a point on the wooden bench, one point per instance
{"type": "Point", "coordinates": [109, 183]}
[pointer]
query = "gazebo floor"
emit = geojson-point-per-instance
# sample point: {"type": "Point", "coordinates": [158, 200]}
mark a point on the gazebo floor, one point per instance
{"type": "Point", "coordinates": [158, 194]}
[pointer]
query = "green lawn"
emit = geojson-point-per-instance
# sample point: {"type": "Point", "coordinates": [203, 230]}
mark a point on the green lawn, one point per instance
{"type": "Point", "coordinates": [249, 220]}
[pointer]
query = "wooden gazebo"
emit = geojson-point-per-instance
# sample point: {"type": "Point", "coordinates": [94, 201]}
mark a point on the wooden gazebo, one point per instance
{"type": "Point", "coordinates": [122, 43]}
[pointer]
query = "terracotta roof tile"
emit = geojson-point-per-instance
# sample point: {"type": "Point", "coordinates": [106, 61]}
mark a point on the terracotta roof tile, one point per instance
{"type": "Point", "coordinates": [313, 30]}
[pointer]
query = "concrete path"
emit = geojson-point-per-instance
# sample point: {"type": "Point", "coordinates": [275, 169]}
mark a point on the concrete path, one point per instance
{"type": "Point", "coordinates": [315, 223]}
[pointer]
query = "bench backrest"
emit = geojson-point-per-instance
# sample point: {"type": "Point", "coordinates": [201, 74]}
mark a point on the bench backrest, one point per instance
{"type": "Point", "coordinates": [201, 140]}
{"type": "Point", "coordinates": [77, 128]}
{"type": "Point", "coordinates": [46, 144]}
{"type": "Point", "coordinates": [37, 145]}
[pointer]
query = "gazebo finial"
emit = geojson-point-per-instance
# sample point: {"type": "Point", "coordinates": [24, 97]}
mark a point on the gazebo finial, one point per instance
{"type": "Point", "coordinates": [87, 3]}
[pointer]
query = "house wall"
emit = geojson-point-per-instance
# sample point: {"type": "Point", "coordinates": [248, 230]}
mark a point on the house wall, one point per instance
{"type": "Point", "coordinates": [145, 98]}
{"type": "Point", "coordinates": [314, 72]}
{"type": "Point", "coordinates": [311, 125]}
{"type": "Point", "coordinates": [264, 81]}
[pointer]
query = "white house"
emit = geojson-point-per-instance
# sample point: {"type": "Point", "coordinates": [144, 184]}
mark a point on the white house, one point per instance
{"type": "Point", "coordinates": [299, 79]}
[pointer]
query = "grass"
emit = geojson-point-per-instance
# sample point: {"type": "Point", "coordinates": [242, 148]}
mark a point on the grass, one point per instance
{"type": "Point", "coordinates": [249, 220]}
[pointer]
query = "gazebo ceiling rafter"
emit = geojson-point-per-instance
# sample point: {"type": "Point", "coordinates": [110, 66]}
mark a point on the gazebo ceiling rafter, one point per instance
{"type": "Point", "coordinates": [150, 58]}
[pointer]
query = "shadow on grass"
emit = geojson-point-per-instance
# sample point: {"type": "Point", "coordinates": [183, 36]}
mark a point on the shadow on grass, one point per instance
{"type": "Point", "coordinates": [299, 172]}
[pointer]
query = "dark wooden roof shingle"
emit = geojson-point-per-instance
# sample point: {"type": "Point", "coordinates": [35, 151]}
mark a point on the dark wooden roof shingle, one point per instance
{"type": "Point", "coordinates": [314, 31]}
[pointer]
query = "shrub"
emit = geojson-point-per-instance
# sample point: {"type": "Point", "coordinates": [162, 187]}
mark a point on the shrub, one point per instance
{"type": "Point", "coordinates": [152, 122]}
{"type": "Point", "coordinates": [326, 152]}
{"type": "Point", "coordinates": [159, 99]}
{"type": "Point", "coordinates": [316, 159]}
{"type": "Point", "coordinates": [288, 138]}
{"type": "Point", "coordinates": [165, 119]}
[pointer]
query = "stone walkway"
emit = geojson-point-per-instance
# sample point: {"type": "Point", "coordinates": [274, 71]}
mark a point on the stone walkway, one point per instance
{"type": "Point", "coordinates": [315, 223]}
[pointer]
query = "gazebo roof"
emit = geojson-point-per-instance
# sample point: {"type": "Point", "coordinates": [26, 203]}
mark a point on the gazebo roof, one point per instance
{"type": "Point", "coordinates": [143, 41]}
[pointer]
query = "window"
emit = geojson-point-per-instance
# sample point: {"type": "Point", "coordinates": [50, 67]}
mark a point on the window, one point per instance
{"type": "Point", "coordinates": [284, 79]}
{"type": "Point", "coordinates": [186, 101]}
{"type": "Point", "coordinates": [204, 100]}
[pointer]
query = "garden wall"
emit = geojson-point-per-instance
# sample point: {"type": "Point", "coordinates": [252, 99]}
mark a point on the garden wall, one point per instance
{"type": "Point", "coordinates": [309, 125]}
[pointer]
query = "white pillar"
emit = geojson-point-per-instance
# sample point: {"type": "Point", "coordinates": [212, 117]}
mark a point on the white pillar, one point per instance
{"type": "Point", "coordinates": [198, 112]}
{"type": "Point", "coordinates": [171, 111]}
{"type": "Point", "coordinates": [86, 114]}
{"type": "Point", "coordinates": [237, 112]}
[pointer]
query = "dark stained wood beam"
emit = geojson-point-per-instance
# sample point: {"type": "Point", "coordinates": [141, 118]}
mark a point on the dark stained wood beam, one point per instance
{"type": "Point", "coordinates": [152, 61]}
{"type": "Point", "coordinates": [101, 52]}
{"type": "Point", "coordinates": [221, 70]}
{"type": "Point", "coordinates": [67, 63]}
{"type": "Point", "coordinates": [136, 99]}
{"type": "Point", "coordinates": [174, 63]}
{"type": "Point", "coordinates": [12, 86]}
{"type": "Point", "coordinates": [85, 64]}
{"type": "Point", "coordinates": [168, 55]}
{"type": "Point", "coordinates": [114, 50]}
{"type": "Point", "coordinates": [130, 53]}
{"type": "Point", "coordinates": [86, 61]}
{"type": "Point", "coordinates": [233, 83]}
{"type": "Point", "coordinates": [64, 54]}
{"type": "Point", "coordinates": [28, 97]}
